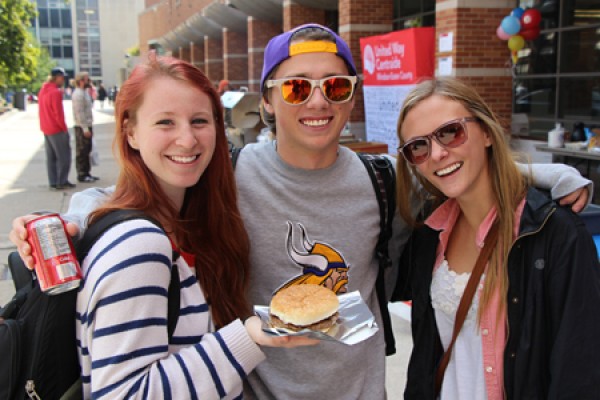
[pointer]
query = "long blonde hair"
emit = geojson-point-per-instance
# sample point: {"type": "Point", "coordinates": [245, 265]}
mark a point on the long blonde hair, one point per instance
{"type": "Point", "coordinates": [508, 184]}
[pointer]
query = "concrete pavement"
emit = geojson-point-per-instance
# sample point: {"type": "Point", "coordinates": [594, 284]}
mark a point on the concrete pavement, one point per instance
{"type": "Point", "coordinates": [24, 188]}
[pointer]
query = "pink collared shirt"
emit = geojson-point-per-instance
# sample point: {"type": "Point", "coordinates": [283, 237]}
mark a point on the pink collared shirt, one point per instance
{"type": "Point", "coordinates": [492, 325]}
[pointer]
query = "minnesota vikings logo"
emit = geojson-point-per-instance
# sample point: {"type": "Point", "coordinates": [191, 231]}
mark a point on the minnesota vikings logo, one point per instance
{"type": "Point", "coordinates": [321, 264]}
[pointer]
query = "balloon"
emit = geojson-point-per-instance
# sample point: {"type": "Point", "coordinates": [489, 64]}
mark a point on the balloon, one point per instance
{"type": "Point", "coordinates": [530, 33]}
{"type": "Point", "coordinates": [501, 34]}
{"type": "Point", "coordinates": [511, 25]}
{"type": "Point", "coordinates": [515, 57]}
{"type": "Point", "coordinates": [516, 43]}
{"type": "Point", "coordinates": [517, 12]}
{"type": "Point", "coordinates": [531, 18]}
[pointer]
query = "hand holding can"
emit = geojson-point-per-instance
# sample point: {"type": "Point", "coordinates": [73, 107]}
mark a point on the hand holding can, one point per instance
{"type": "Point", "coordinates": [56, 264]}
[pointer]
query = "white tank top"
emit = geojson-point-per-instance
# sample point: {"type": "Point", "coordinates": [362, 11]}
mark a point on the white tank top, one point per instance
{"type": "Point", "coordinates": [464, 378]}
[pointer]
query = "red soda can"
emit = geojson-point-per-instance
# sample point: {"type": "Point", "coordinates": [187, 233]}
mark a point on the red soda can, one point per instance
{"type": "Point", "coordinates": [56, 264]}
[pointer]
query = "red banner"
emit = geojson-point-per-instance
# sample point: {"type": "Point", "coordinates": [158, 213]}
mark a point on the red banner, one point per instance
{"type": "Point", "coordinates": [398, 58]}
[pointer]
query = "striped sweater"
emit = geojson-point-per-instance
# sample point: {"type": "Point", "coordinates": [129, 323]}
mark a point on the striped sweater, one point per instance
{"type": "Point", "coordinates": [122, 325]}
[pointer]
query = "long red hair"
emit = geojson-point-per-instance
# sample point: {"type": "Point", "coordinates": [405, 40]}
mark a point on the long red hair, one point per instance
{"type": "Point", "coordinates": [209, 225]}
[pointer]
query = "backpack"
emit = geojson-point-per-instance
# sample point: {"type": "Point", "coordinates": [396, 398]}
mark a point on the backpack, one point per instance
{"type": "Point", "coordinates": [383, 177]}
{"type": "Point", "coordinates": [37, 339]}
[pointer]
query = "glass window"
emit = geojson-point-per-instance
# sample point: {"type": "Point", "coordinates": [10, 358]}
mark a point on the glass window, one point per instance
{"type": "Point", "coordinates": [413, 13]}
{"type": "Point", "coordinates": [535, 97]}
{"type": "Point", "coordinates": [56, 52]}
{"type": "Point", "coordinates": [331, 19]}
{"type": "Point", "coordinates": [65, 16]}
{"type": "Point", "coordinates": [91, 15]}
{"type": "Point", "coordinates": [580, 98]}
{"type": "Point", "coordinates": [43, 17]}
{"type": "Point", "coordinates": [428, 5]}
{"type": "Point", "coordinates": [558, 74]}
{"type": "Point", "coordinates": [581, 50]}
{"type": "Point", "coordinates": [95, 46]}
{"type": "Point", "coordinates": [428, 19]}
{"type": "Point", "coordinates": [539, 56]}
{"type": "Point", "coordinates": [408, 7]}
{"type": "Point", "coordinates": [96, 72]}
{"type": "Point", "coordinates": [68, 51]}
{"type": "Point", "coordinates": [580, 12]}
{"type": "Point", "coordinates": [55, 18]}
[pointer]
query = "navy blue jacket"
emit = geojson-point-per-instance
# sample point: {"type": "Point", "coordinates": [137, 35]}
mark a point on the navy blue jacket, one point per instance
{"type": "Point", "coordinates": [553, 308]}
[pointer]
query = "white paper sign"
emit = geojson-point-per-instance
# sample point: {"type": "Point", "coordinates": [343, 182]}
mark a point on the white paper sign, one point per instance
{"type": "Point", "coordinates": [445, 66]}
{"type": "Point", "coordinates": [445, 42]}
{"type": "Point", "coordinates": [382, 107]}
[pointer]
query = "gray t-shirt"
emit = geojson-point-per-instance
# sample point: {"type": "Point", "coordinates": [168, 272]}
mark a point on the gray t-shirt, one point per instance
{"type": "Point", "coordinates": [313, 226]}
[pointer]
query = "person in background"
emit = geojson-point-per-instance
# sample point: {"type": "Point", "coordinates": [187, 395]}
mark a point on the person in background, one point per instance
{"type": "Point", "coordinates": [532, 328]}
{"type": "Point", "coordinates": [304, 185]}
{"type": "Point", "coordinates": [82, 114]}
{"type": "Point", "coordinates": [54, 127]}
{"type": "Point", "coordinates": [101, 95]}
{"type": "Point", "coordinates": [223, 87]}
{"type": "Point", "coordinates": [112, 95]}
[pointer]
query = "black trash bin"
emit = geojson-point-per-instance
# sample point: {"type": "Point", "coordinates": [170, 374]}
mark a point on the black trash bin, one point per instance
{"type": "Point", "coordinates": [20, 100]}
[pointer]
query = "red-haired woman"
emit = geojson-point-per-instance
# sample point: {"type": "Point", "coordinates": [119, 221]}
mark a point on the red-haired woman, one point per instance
{"type": "Point", "coordinates": [175, 167]}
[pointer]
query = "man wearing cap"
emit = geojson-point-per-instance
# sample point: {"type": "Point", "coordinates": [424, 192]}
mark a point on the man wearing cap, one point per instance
{"type": "Point", "coordinates": [305, 178]}
{"type": "Point", "coordinates": [306, 181]}
{"type": "Point", "coordinates": [54, 127]}
{"type": "Point", "coordinates": [84, 118]}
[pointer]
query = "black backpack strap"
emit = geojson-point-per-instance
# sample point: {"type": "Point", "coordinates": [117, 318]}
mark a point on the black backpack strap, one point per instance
{"type": "Point", "coordinates": [383, 177]}
{"type": "Point", "coordinates": [174, 298]}
{"type": "Point", "coordinates": [21, 275]}
{"type": "Point", "coordinates": [97, 229]}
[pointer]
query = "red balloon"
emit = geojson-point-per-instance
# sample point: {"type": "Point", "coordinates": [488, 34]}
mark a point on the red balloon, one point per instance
{"type": "Point", "coordinates": [530, 18]}
{"type": "Point", "coordinates": [530, 33]}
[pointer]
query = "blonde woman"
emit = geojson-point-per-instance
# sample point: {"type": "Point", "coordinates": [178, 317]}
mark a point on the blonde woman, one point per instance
{"type": "Point", "coordinates": [531, 331]}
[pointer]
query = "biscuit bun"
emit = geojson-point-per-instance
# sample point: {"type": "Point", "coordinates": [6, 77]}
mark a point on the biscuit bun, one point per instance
{"type": "Point", "coordinates": [304, 306]}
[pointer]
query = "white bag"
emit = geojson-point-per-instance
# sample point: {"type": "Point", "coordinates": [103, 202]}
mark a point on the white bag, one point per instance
{"type": "Point", "coordinates": [94, 156]}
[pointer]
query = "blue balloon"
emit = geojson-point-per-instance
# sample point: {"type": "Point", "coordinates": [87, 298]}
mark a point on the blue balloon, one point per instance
{"type": "Point", "coordinates": [511, 25]}
{"type": "Point", "coordinates": [517, 12]}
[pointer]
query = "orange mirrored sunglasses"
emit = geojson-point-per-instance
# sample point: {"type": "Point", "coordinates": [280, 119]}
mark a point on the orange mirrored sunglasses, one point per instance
{"type": "Point", "coordinates": [296, 91]}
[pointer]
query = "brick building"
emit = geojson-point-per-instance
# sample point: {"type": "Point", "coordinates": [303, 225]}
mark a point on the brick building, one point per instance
{"type": "Point", "coordinates": [226, 38]}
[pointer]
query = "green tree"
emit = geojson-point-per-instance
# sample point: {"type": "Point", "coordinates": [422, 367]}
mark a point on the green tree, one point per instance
{"type": "Point", "coordinates": [41, 73]}
{"type": "Point", "coordinates": [18, 51]}
{"type": "Point", "coordinates": [133, 51]}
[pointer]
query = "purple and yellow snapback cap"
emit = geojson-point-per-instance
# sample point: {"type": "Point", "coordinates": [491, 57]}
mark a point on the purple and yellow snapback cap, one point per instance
{"type": "Point", "coordinates": [280, 49]}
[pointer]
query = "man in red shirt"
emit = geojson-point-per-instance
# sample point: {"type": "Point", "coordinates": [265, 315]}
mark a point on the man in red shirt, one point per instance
{"type": "Point", "coordinates": [54, 127]}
